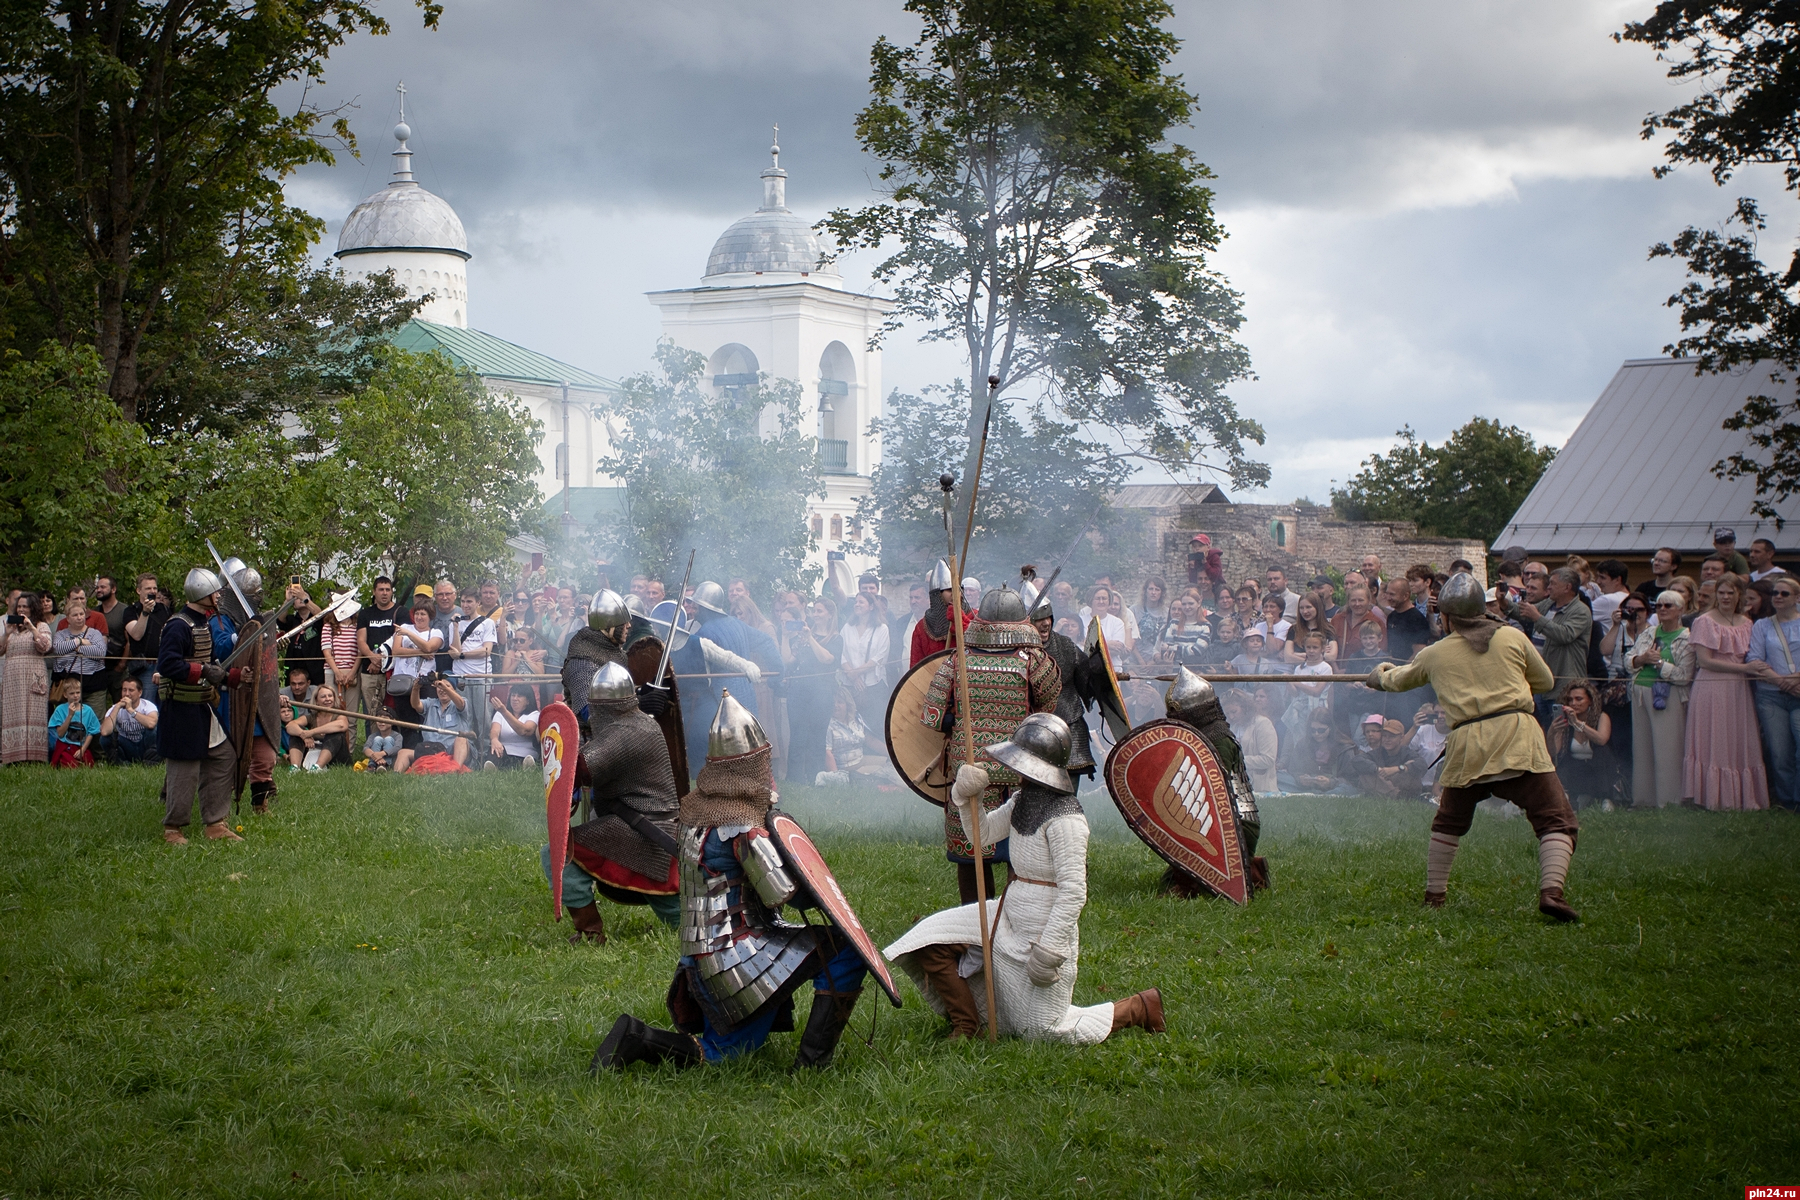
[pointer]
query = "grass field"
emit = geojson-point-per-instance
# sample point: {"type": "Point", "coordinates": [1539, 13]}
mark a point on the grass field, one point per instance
{"type": "Point", "coordinates": [368, 998]}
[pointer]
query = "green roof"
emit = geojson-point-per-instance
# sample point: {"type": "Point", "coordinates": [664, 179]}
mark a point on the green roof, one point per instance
{"type": "Point", "coordinates": [495, 358]}
{"type": "Point", "coordinates": [589, 506]}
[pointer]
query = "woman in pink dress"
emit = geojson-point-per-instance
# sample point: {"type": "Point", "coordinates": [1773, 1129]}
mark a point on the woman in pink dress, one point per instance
{"type": "Point", "coordinates": [1723, 766]}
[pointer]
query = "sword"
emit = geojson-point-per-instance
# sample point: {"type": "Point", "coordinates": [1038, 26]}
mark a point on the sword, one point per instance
{"type": "Point", "coordinates": [249, 608]}
{"type": "Point", "coordinates": [244, 643]}
{"type": "Point", "coordinates": [669, 645]}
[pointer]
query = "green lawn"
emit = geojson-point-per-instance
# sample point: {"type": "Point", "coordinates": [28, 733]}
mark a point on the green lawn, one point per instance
{"type": "Point", "coordinates": [368, 998]}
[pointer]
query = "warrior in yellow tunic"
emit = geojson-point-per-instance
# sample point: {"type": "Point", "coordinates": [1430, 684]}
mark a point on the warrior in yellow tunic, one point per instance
{"type": "Point", "coordinates": [1484, 674]}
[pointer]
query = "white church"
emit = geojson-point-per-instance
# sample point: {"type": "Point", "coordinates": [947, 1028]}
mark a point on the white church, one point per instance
{"type": "Point", "coordinates": [766, 305]}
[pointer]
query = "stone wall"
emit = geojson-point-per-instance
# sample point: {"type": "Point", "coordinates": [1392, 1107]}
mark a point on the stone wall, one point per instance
{"type": "Point", "coordinates": [1303, 541]}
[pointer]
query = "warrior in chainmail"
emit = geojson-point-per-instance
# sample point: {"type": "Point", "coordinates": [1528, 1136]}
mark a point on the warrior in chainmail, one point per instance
{"type": "Point", "coordinates": [625, 851]}
{"type": "Point", "coordinates": [932, 633]}
{"type": "Point", "coordinates": [264, 694]}
{"type": "Point", "coordinates": [614, 634]}
{"type": "Point", "coordinates": [1192, 701]}
{"type": "Point", "coordinates": [1036, 936]}
{"type": "Point", "coordinates": [740, 962]}
{"type": "Point", "coordinates": [1010, 677]}
{"type": "Point", "coordinates": [1075, 666]}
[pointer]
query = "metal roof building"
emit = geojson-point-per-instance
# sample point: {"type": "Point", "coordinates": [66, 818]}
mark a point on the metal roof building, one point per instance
{"type": "Point", "coordinates": [1638, 471]}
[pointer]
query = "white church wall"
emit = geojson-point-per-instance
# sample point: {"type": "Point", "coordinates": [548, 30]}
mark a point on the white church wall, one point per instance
{"type": "Point", "coordinates": [443, 276]}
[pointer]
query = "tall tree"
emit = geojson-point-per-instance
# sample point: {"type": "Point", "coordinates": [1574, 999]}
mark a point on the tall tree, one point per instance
{"type": "Point", "coordinates": [1044, 218]}
{"type": "Point", "coordinates": [141, 160]}
{"type": "Point", "coordinates": [1043, 486]}
{"type": "Point", "coordinates": [728, 474]}
{"type": "Point", "coordinates": [1745, 58]}
{"type": "Point", "coordinates": [1466, 488]}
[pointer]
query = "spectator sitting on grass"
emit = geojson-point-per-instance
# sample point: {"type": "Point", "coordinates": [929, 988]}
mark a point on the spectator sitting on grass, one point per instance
{"type": "Point", "coordinates": [846, 742]}
{"type": "Point", "coordinates": [382, 746]}
{"type": "Point", "coordinates": [126, 728]}
{"type": "Point", "coordinates": [73, 726]}
{"type": "Point", "coordinates": [446, 711]}
{"type": "Point", "coordinates": [1256, 736]}
{"type": "Point", "coordinates": [315, 739]}
{"type": "Point", "coordinates": [512, 736]}
{"type": "Point", "coordinates": [1310, 763]}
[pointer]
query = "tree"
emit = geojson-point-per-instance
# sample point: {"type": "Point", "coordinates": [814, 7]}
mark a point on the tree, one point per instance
{"type": "Point", "coordinates": [82, 490]}
{"type": "Point", "coordinates": [1043, 485]}
{"type": "Point", "coordinates": [727, 474]}
{"type": "Point", "coordinates": [1466, 488]}
{"type": "Point", "coordinates": [422, 470]}
{"type": "Point", "coordinates": [1045, 219]}
{"type": "Point", "coordinates": [141, 159]}
{"type": "Point", "coordinates": [1735, 311]}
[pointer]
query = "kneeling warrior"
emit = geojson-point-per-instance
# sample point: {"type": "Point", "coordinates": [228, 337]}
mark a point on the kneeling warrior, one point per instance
{"type": "Point", "coordinates": [1010, 677]}
{"type": "Point", "coordinates": [1036, 936]}
{"type": "Point", "coordinates": [626, 850]}
{"type": "Point", "coordinates": [1485, 674]}
{"type": "Point", "coordinates": [740, 962]}
{"type": "Point", "coordinates": [1192, 701]}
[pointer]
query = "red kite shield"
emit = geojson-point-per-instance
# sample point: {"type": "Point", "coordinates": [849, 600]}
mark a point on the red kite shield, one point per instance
{"type": "Point", "coordinates": [805, 858]}
{"type": "Point", "coordinates": [1172, 791]}
{"type": "Point", "coordinates": [560, 741]}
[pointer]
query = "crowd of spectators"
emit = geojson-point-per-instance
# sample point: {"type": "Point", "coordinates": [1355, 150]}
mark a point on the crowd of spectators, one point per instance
{"type": "Point", "coordinates": [1683, 689]}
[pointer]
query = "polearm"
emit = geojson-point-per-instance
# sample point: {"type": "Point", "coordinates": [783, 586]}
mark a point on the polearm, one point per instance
{"type": "Point", "coordinates": [1254, 678]}
{"type": "Point", "coordinates": [371, 719]}
{"type": "Point", "coordinates": [961, 659]}
{"type": "Point", "coordinates": [674, 618]}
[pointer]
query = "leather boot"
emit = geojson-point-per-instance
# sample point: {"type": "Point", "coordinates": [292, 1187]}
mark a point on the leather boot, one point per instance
{"type": "Point", "coordinates": [1259, 873]}
{"type": "Point", "coordinates": [939, 963]}
{"type": "Point", "coordinates": [1434, 899]}
{"type": "Point", "coordinates": [261, 794]}
{"type": "Point", "coordinates": [589, 926]}
{"type": "Point", "coordinates": [174, 836]}
{"type": "Point", "coordinates": [219, 831]}
{"type": "Point", "coordinates": [824, 1026]}
{"type": "Point", "coordinates": [632, 1041]}
{"type": "Point", "coordinates": [1143, 1010]}
{"type": "Point", "coordinates": [1551, 904]}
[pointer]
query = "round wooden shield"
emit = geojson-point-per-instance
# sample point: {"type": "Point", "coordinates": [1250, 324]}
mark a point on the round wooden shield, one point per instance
{"type": "Point", "coordinates": [918, 753]}
{"type": "Point", "coordinates": [804, 857]}
{"type": "Point", "coordinates": [559, 740]}
{"type": "Point", "coordinates": [1111, 698]}
{"type": "Point", "coordinates": [1172, 791]}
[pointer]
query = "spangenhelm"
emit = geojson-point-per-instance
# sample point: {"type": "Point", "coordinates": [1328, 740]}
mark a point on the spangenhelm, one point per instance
{"type": "Point", "coordinates": [612, 682]}
{"type": "Point", "coordinates": [711, 597]}
{"type": "Point", "coordinates": [251, 580]}
{"type": "Point", "coordinates": [634, 604]}
{"type": "Point", "coordinates": [1188, 695]}
{"type": "Point", "coordinates": [1038, 750]}
{"type": "Point", "coordinates": [233, 565]}
{"type": "Point", "coordinates": [734, 731]}
{"type": "Point", "coordinates": [1462, 597]}
{"type": "Point", "coordinates": [200, 584]}
{"type": "Point", "coordinates": [608, 611]}
{"type": "Point", "coordinates": [1001, 605]}
{"type": "Point", "coordinates": [938, 578]}
{"type": "Point", "coordinates": [1036, 599]}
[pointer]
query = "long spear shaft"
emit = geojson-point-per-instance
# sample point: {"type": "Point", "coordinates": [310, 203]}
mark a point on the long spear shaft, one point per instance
{"type": "Point", "coordinates": [674, 618]}
{"type": "Point", "coordinates": [344, 712]}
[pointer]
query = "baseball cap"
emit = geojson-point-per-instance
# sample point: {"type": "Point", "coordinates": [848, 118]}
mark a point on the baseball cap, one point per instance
{"type": "Point", "coordinates": [1373, 719]}
{"type": "Point", "coordinates": [1722, 534]}
{"type": "Point", "coordinates": [1392, 726]}
{"type": "Point", "coordinates": [1251, 633]}
{"type": "Point", "coordinates": [1200, 539]}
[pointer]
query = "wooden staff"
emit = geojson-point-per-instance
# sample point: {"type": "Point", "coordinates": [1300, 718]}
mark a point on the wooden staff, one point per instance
{"type": "Point", "coordinates": [344, 712]}
{"type": "Point", "coordinates": [1255, 678]}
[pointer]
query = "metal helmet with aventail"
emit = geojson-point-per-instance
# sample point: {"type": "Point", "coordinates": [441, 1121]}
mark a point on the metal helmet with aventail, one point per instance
{"type": "Point", "coordinates": [1038, 750]}
{"type": "Point", "coordinates": [734, 730]}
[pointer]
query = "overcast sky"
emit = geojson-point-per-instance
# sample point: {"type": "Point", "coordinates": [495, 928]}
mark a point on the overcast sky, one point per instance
{"type": "Point", "coordinates": [1435, 211]}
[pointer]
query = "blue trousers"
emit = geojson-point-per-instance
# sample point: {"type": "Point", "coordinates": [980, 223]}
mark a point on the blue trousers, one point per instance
{"type": "Point", "coordinates": [1779, 716]}
{"type": "Point", "coordinates": [843, 973]}
{"type": "Point", "coordinates": [578, 891]}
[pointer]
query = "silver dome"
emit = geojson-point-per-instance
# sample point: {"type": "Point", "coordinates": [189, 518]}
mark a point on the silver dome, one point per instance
{"type": "Point", "coordinates": [403, 215]}
{"type": "Point", "coordinates": [771, 240]}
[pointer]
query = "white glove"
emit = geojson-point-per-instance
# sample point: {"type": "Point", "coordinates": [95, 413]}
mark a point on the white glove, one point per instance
{"type": "Point", "coordinates": [1043, 967]}
{"type": "Point", "coordinates": [723, 661]}
{"type": "Point", "coordinates": [970, 783]}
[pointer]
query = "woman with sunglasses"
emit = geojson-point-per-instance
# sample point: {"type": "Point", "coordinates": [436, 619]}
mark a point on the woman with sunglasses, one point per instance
{"type": "Point", "coordinates": [1664, 661]}
{"type": "Point", "coordinates": [1775, 641]}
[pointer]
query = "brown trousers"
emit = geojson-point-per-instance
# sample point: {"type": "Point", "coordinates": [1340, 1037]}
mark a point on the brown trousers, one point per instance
{"type": "Point", "coordinates": [211, 776]}
{"type": "Point", "coordinates": [262, 760]}
{"type": "Point", "coordinates": [1541, 796]}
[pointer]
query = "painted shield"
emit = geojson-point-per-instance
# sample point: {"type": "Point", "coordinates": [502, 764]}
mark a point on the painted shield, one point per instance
{"type": "Point", "coordinates": [559, 739]}
{"type": "Point", "coordinates": [798, 851]}
{"type": "Point", "coordinates": [1172, 791]}
{"type": "Point", "coordinates": [1110, 699]}
{"type": "Point", "coordinates": [918, 753]}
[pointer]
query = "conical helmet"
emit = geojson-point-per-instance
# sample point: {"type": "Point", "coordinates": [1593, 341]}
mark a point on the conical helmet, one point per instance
{"type": "Point", "coordinates": [1462, 597]}
{"type": "Point", "coordinates": [200, 584]}
{"type": "Point", "coordinates": [1038, 750]}
{"type": "Point", "coordinates": [612, 682]}
{"type": "Point", "coordinates": [1036, 599]}
{"type": "Point", "coordinates": [734, 730]}
{"type": "Point", "coordinates": [938, 578]}
{"type": "Point", "coordinates": [711, 597]}
{"type": "Point", "coordinates": [251, 580]}
{"type": "Point", "coordinates": [1188, 695]}
{"type": "Point", "coordinates": [608, 611]}
{"type": "Point", "coordinates": [1001, 606]}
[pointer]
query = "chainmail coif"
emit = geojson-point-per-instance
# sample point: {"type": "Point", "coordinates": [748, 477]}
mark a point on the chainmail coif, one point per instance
{"type": "Point", "coordinates": [731, 791]}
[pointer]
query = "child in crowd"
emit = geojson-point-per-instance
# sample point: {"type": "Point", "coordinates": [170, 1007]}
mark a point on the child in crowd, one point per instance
{"type": "Point", "coordinates": [73, 727]}
{"type": "Point", "coordinates": [382, 746]}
